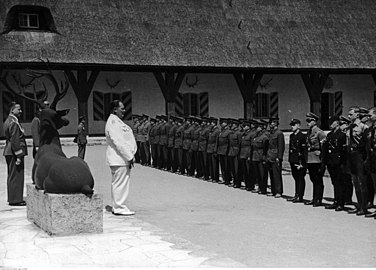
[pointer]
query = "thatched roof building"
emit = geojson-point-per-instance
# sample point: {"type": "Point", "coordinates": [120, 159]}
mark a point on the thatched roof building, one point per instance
{"type": "Point", "coordinates": [275, 34]}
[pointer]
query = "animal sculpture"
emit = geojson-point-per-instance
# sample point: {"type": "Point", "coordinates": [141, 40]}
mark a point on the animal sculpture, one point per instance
{"type": "Point", "coordinates": [53, 172]}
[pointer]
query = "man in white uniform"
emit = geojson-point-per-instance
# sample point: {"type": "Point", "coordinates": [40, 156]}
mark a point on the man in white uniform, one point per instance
{"type": "Point", "coordinates": [121, 148]}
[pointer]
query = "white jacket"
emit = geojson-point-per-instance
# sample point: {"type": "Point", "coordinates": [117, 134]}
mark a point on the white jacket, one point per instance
{"type": "Point", "coordinates": [121, 144]}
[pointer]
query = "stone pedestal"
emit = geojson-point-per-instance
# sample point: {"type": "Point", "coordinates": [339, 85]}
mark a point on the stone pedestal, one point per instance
{"type": "Point", "coordinates": [64, 214]}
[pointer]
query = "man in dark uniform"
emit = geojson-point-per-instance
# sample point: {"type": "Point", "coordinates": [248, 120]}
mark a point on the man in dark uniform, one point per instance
{"type": "Point", "coordinates": [145, 144]}
{"type": "Point", "coordinates": [154, 141]}
{"type": "Point", "coordinates": [211, 150]}
{"type": "Point", "coordinates": [274, 156]}
{"type": "Point", "coordinates": [235, 138]}
{"type": "Point", "coordinates": [170, 144]}
{"type": "Point", "coordinates": [163, 139]}
{"type": "Point", "coordinates": [14, 151]}
{"type": "Point", "coordinates": [297, 146]}
{"type": "Point", "coordinates": [222, 150]}
{"type": "Point", "coordinates": [315, 139]}
{"type": "Point", "coordinates": [136, 123]}
{"type": "Point", "coordinates": [196, 165]}
{"type": "Point", "coordinates": [245, 155]}
{"type": "Point", "coordinates": [258, 150]}
{"type": "Point", "coordinates": [348, 185]}
{"type": "Point", "coordinates": [81, 137]}
{"type": "Point", "coordinates": [356, 149]}
{"type": "Point", "coordinates": [187, 142]}
{"type": "Point", "coordinates": [202, 145]}
{"type": "Point", "coordinates": [333, 153]}
{"type": "Point", "coordinates": [178, 143]}
{"type": "Point", "coordinates": [371, 152]}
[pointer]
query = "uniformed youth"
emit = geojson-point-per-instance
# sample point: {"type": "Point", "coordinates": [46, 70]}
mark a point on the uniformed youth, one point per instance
{"type": "Point", "coordinates": [172, 155]}
{"type": "Point", "coordinates": [202, 146]}
{"type": "Point", "coordinates": [178, 144]}
{"type": "Point", "coordinates": [245, 155]}
{"type": "Point", "coordinates": [196, 165]}
{"type": "Point", "coordinates": [234, 138]}
{"type": "Point", "coordinates": [187, 142]}
{"type": "Point", "coordinates": [297, 147]}
{"type": "Point", "coordinates": [222, 150]}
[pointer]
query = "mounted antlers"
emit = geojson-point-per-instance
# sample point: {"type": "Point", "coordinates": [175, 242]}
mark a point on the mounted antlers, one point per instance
{"type": "Point", "coordinates": [60, 93]}
{"type": "Point", "coordinates": [191, 85]}
{"type": "Point", "coordinates": [21, 89]}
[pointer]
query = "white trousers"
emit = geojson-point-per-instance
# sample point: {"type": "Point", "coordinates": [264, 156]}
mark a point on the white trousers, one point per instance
{"type": "Point", "coordinates": [120, 188]}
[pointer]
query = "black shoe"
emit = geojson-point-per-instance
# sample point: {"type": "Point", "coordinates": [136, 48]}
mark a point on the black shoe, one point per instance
{"type": "Point", "coordinates": [371, 215]}
{"type": "Point", "coordinates": [310, 202]}
{"type": "Point", "coordinates": [23, 203]}
{"type": "Point", "coordinates": [339, 208]}
{"type": "Point", "coordinates": [332, 206]}
{"type": "Point", "coordinates": [298, 200]}
{"type": "Point", "coordinates": [362, 212]}
{"type": "Point", "coordinates": [292, 199]}
{"type": "Point", "coordinates": [237, 186]}
{"type": "Point", "coordinates": [353, 211]}
{"type": "Point", "coordinates": [255, 191]}
{"type": "Point", "coordinates": [262, 192]}
{"type": "Point", "coordinates": [317, 204]}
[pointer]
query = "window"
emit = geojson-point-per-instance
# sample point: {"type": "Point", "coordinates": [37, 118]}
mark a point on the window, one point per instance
{"type": "Point", "coordinates": [101, 104]}
{"type": "Point", "coordinates": [29, 18]}
{"type": "Point", "coordinates": [26, 20]}
{"type": "Point", "coordinates": [266, 105]}
{"type": "Point", "coordinates": [192, 104]}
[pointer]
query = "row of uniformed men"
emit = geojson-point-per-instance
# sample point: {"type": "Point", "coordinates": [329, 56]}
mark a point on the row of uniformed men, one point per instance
{"type": "Point", "coordinates": [248, 149]}
{"type": "Point", "coordinates": [199, 147]}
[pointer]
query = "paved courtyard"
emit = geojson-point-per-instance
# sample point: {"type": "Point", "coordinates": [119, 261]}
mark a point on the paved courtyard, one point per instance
{"type": "Point", "coordinates": [186, 222]}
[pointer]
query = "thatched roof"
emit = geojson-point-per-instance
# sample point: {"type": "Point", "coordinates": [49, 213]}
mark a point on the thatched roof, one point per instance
{"type": "Point", "coordinates": [201, 33]}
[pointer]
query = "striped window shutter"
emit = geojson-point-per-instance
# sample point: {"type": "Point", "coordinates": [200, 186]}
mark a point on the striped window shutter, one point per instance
{"type": "Point", "coordinates": [98, 106]}
{"type": "Point", "coordinates": [262, 105]}
{"type": "Point", "coordinates": [179, 104]}
{"type": "Point", "coordinates": [204, 103]}
{"type": "Point", "coordinates": [126, 98]}
{"type": "Point", "coordinates": [273, 104]}
{"type": "Point", "coordinates": [338, 103]}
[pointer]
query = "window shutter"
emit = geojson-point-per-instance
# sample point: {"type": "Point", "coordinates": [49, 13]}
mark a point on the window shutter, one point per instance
{"type": "Point", "coordinates": [338, 103]}
{"type": "Point", "coordinates": [204, 104]}
{"type": "Point", "coordinates": [273, 104]}
{"type": "Point", "coordinates": [126, 98]}
{"type": "Point", "coordinates": [98, 106]}
{"type": "Point", "coordinates": [179, 104]}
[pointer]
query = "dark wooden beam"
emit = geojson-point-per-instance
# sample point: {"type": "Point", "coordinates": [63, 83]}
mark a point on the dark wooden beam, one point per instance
{"type": "Point", "coordinates": [314, 83]}
{"type": "Point", "coordinates": [82, 87]}
{"type": "Point", "coordinates": [248, 83]}
{"type": "Point", "coordinates": [170, 83]}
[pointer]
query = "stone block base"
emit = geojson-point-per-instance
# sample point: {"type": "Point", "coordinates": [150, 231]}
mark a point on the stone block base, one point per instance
{"type": "Point", "coordinates": [64, 214]}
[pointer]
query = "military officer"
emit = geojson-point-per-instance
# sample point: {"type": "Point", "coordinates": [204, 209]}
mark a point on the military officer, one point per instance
{"type": "Point", "coordinates": [136, 123]}
{"type": "Point", "coordinates": [356, 149]}
{"type": "Point", "coordinates": [234, 138]}
{"type": "Point", "coordinates": [297, 146]}
{"type": "Point", "coordinates": [222, 150]}
{"type": "Point", "coordinates": [315, 139]}
{"type": "Point", "coordinates": [333, 152]}
{"type": "Point", "coordinates": [245, 155]}
{"type": "Point", "coordinates": [202, 145]}
{"type": "Point", "coordinates": [187, 142]}
{"type": "Point", "coordinates": [14, 151]}
{"type": "Point", "coordinates": [274, 156]}
{"type": "Point", "coordinates": [371, 152]}
{"type": "Point", "coordinates": [196, 165]}
{"type": "Point", "coordinates": [258, 150]}
{"type": "Point", "coordinates": [211, 149]}
{"type": "Point", "coordinates": [170, 145]}
{"type": "Point", "coordinates": [178, 144]}
{"type": "Point", "coordinates": [163, 139]}
{"type": "Point", "coordinates": [348, 186]}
